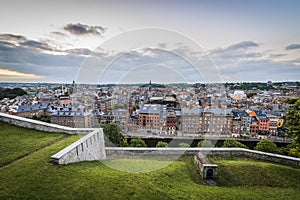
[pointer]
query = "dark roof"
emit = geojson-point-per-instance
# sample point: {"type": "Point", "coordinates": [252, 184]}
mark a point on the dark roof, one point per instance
{"type": "Point", "coordinates": [150, 109]}
{"type": "Point", "coordinates": [32, 107]}
{"type": "Point", "coordinates": [253, 119]}
{"type": "Point", "coordinates": [260, 115]}
{"type": "Point", "coordinates": [69, 113]}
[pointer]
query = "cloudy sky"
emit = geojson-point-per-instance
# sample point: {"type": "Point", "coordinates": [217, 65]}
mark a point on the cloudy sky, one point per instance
{"type": "Point", "coordinates": [134, 41]}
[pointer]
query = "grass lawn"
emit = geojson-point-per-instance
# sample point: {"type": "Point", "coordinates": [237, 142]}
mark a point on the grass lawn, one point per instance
{"type": "Point", "coordinates": [36, 177]}
{"type": "Point", "coordinates": [16, 142]}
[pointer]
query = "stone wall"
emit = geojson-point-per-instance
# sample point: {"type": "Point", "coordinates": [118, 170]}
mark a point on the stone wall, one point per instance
{"type": "Point", "coordinates": [90, 147]}
{"type": "Point", "coordinates": [117, 152]}
{"type": "Point", "coordinates": [37, 125]}
{"type": "Point", "coordinates": [206, 168]}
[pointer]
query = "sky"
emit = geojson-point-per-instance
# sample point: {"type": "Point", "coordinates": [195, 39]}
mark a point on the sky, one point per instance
{"type": "Point", "coordinates": [136, 40]}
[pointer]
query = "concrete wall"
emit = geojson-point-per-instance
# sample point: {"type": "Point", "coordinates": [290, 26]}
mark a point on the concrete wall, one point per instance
{"type": "Point", "coordinates": [117, 152]}
{"type": "Point", "coordinates": [204, 165]}
{"type": "Point", "coordinates": [41, 126]}
{"type": "Point", "coordinates": [90, 147]}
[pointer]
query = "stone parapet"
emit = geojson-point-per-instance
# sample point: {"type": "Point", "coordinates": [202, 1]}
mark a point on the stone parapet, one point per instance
{"type": "Point", "coordinates": [88, 148]}
{"type": "Point", "coordinates": [136, 152]}
{"type": "Point", "coordinates": [41, 126]}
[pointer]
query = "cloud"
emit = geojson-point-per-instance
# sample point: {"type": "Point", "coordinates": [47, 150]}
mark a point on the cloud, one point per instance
{"type": "Point", "coordinates": [239, 51]}
{"type": "Point", "coordinates": [80, 51]}
{"type": "Point", "coordinates": [277, 55]}
{"type": "Point", "coordinates": [82, 29]}
{"type": "Point", "coordinates": [22, 59]}
{"type": "Point", "coordinates": [292, 47]}
{"type": "Point", "coordinates": [57, 34]}
{"type": "Point", "coordinates": [32, 60]}
{"type": "Point", "coordinates": [242, 45]}
{"type": "Point", "coordinates": [262, 70]}
{"type": "Point", "coordinates": [162, 45]}
{"type": "Point", "coordinates": [36, 45]}
{"type": "Point", "coordinates": [12, 38]}
{"type": "Point", "coordinates": [15, 74]}
{"type": "Point", "coordinates": [238, 47]}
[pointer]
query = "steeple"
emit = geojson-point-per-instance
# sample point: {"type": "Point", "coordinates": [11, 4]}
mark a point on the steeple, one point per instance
{"type": "Point", "coordinates": [150, 86]}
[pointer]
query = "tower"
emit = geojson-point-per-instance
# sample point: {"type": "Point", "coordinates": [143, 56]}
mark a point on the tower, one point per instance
{"type": "Point", "coordinates": [150, 86]}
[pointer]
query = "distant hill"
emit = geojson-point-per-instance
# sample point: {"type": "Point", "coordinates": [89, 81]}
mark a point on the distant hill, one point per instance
{"type": "Point", "coordinates": [153, 85]}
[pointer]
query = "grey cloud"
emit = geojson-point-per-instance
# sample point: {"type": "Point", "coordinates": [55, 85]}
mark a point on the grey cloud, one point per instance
{"type": "Point", "coordinates": [162, 45]}
{"type": "Point", "coordinates": [29, 57]}
{"type": "Point", "coordinates": [82, 51]}
{"type": "Point", "coordinates": [262, 70]}
{"type": "Point", "coordinates": [82, 29]}
{"type": "Point", "coordinates": [5, 45]}
{"type": "Point", "coordinates": [10, 41]}
{"type": "Point", "coordinates": [292, 47]}
{"type": "Point", "coordinates": [294, 61]}
{"type": "Point", "coordinates": [242, 45]}
{"type": "Point", "coordinates": [58, 34]}
{"type": "Point", "coordinates": [11, 37]}
{"type": "Point", "coordinates": [277, 55]}
{"type": "Point", "coordinates": [241, 50]}
{"type": "Point", "coordinates": [37, 45]}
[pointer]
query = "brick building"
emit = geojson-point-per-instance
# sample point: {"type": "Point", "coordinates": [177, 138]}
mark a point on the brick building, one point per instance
{"type": "Point", "coordinates": [150, 116]}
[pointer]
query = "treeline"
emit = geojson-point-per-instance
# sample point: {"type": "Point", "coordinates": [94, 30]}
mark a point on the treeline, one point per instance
{"type": "Point", "coordinates": [250, 86]}
{"type": "Point", "coordinates": [153, 85]}
{"type": "Point", "coordinates": [257, 85]}
{"type": "Point", "coordinates": [11, 93]}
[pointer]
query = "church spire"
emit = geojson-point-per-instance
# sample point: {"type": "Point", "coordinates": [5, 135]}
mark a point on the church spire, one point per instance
{"type": "Point", "coordinates": [150, 86]}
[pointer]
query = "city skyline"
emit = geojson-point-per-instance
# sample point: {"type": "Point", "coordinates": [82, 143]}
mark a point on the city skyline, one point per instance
{"type": "Point", "coordinates": [43, 41]}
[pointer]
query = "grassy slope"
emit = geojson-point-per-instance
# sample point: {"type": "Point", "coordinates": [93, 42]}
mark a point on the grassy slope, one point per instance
{"type": "Point", "coordinates": [35, 177]}
{"type": "Point", "coordinates": [15, 142]}
{"type": "Point", "coordinates": [249, 172]}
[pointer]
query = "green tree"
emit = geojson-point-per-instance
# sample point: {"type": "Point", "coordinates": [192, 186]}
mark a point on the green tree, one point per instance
{"type": "Point", "coordinates": [183, 144]}
{"type": "Point", "coordinates": [119, 106]}
{"type": "Point", "coordinates": [293, 121]}
{"type": "Point", "coordinates": [205, 143]}
{"type": "Point", "coordinates": [230, 142]}
{"type": "Point", "coordinates": [266, 146]}
{"type": "Point", "coordinates": [290, 100]}
{"type": "Point", "coordinates": [137, 142]}
{"type": "Point", "coordinates": [162, 144]}
{"type": "Point", "coordinates": [295, 152]}
{"type": "Point", "coordinates": [114, 135]}
{"type": "Point", "coordinates": [11, 93]}
{"type": "Point", "coordinates": [251, 94]}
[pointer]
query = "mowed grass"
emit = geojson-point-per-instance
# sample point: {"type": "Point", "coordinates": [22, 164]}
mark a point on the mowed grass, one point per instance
{"type": "Point", "coordinates": [238, 171]}
{"type": "Point", "coordinates": [16, 142]}
{"type": "Point", "coordinates": [36, 177]}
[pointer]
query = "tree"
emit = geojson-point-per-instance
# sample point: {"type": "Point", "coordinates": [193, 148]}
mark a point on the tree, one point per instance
{"type": "Point", "coordinates": [11, 93]}
{"type": "Point", "coordinates": [230, 142]}
{"type": "Point", "coordinates": [205, 143]}
{"type": "Point", "coordinates": [119, 106]}
{"type": "Point", "coordinates": [293, 120]}
{"type": "Point", "coordinates": [162, 144]}
{"type": "Point", "coordinates": [114, 135]}
{"type": "Point", "coordinates": [137, 142]}
{"type": "Point", "coordinates": [266, 146]}
{"type": "Point", "coordinates": [295, 152]}
{"type": "Point", "coordinates": [251, 94]}
{"type": "Point", "coordinates": [183, 144]}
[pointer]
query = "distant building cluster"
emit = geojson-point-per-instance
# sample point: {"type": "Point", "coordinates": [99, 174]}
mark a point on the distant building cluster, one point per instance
{"type": "Point", "coordinates": [178, 109]}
